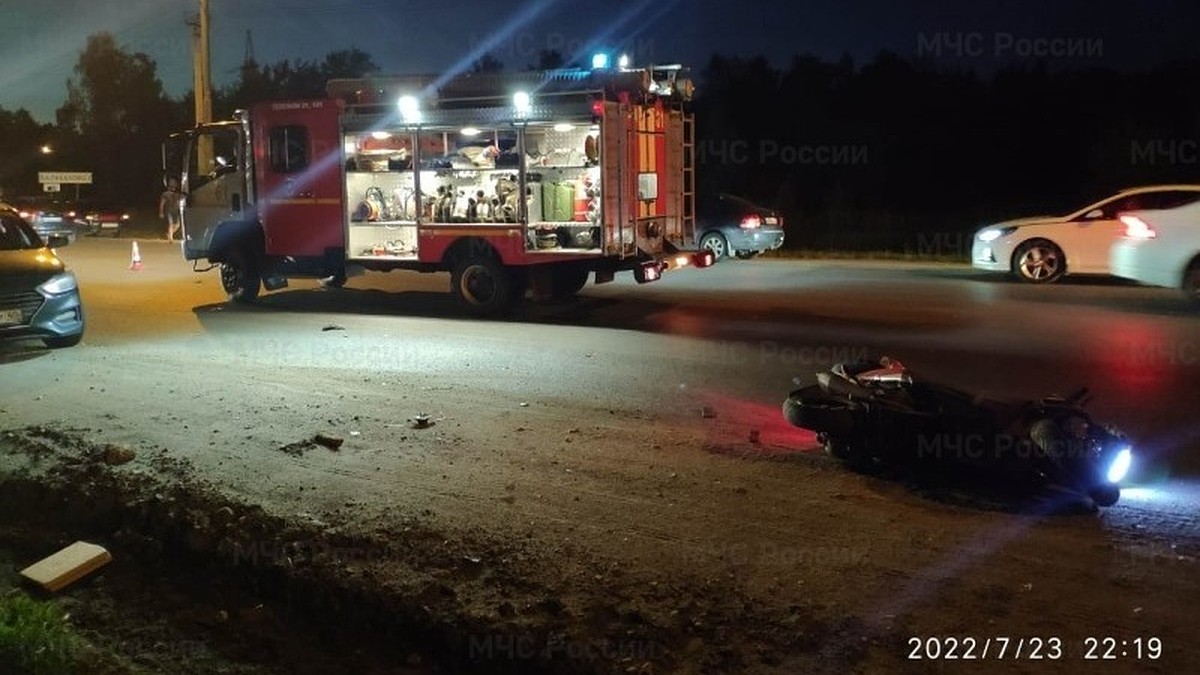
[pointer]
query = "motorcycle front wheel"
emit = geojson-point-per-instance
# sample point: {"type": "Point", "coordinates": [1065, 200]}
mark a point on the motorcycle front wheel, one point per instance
{"type": "Point", "coordinates": [1105, 495]}
{"type": "Point", "coordinates": [810, 408]}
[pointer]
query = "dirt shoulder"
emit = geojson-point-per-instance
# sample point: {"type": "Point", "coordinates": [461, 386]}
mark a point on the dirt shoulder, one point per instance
{"type": "Point", "coordinates": [543, 535]}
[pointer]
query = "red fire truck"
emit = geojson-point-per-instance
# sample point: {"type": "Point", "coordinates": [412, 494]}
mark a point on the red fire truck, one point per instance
{"type": "Point", "coordinates": [514, 183]}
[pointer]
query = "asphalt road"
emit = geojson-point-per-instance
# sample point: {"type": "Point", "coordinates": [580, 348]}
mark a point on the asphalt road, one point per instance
{"type": "Point", "coordinates": [570, 387]}
{"type": "Point", "coordinates": [745, 329]}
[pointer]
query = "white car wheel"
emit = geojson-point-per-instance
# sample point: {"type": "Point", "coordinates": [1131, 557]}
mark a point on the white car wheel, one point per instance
{"type": "Point", "coordinates": [1039, 262]}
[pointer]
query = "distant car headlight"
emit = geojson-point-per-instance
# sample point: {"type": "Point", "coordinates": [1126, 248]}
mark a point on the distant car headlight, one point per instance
{"type": "Point", "coordinates": [994, 233]}
{"type": "Point", "coordinates": [59, 283]}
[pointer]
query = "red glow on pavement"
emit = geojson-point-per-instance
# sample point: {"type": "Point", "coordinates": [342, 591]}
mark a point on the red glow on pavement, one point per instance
{"type": "Point", "coordinates": [755, 425]}
{"type": "Point", "coordinates": [1137, 354]}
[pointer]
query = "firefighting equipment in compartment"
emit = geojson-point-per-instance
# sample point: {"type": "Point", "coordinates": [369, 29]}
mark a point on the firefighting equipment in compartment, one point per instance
{"type": "Point", "coordinates": [578, 236]}
{"type": "Point", "coordinates": [583, 198]}
{"type": "Point", "coordinates": [371, 207]}
{"type": "Point", "coordinates": [474, 204]}
{"type": "Point", "coordinates": [533, 201]}
{"type": "Point", "coordinates": [506, 191]}
{"type": "Point", "coordinates": [444, 204]}
{"type": "Point", "coordinates": [401, 204]}
{"type": "Point", "coordinates": [558, 201]}
{"type": "Point", "coordinates": [547, 238]}
{"type": "Point", "coordinates": [593, 206]}
{"type": "Point", "coordinates": [460, 207]}
{"type": "Point", "coordinates": [591, 150]}
{"type": "Point", "coordinates": [393, 247]}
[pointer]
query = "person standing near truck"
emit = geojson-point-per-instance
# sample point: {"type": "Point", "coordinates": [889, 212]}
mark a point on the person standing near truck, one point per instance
{"type": "Point", "coordinates": [168, 207]}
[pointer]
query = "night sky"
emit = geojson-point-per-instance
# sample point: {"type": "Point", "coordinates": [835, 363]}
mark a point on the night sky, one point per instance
{"type": "Point", "coordinates": [40, 41]}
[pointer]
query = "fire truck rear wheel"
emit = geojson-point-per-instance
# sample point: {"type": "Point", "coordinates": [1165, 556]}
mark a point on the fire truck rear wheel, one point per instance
{"type": "Point", "coordinates": [240, 276]}
{"type": "Point", "coordinates": [484, 285]}
{"type": "Point", "coordinates": [568, 281]}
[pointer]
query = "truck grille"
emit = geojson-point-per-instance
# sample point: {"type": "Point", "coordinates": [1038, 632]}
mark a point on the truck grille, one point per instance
{"type": "Point", "coordinates": [28, 303]}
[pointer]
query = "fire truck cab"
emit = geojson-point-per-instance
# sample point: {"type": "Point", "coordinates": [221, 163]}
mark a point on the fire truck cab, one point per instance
{"type": "Point", "coordinates": [514, 183]}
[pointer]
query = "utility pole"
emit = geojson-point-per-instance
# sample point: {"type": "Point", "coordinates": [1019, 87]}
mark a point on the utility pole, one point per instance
{"type": "Point", "coordinates": [202, 82]}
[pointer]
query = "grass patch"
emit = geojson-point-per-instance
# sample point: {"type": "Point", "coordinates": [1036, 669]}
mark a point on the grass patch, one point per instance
{"type": "Point", "coordinates": [35, 637]}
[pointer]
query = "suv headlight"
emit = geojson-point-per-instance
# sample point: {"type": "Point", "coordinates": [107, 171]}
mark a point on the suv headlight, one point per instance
{"type": "Point", "coordinates": [59, 283]}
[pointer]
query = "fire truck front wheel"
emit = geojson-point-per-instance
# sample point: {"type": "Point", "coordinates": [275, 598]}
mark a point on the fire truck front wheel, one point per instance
{"type": "Point", "coordinates": [485, 286]}
{"type": "Point", "coordinates": [240, 276]}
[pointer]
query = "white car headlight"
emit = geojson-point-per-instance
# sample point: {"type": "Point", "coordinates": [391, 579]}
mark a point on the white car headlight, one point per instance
{"type": "Point", "coordinates": [994, 233]}
{"type": "Point", "coordinates": [59, 283]}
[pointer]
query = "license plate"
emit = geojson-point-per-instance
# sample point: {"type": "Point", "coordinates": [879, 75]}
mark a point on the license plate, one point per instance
{"type": "Point", "coordinates": [771, 220]}
{"type": "Point", "coordinates": [103, 225]}
{"type": "Point", "coordinates": [10, 316]}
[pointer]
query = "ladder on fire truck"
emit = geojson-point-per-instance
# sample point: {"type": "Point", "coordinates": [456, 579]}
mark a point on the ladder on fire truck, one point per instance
{"type": "Point", "coordinates": [688, 193]}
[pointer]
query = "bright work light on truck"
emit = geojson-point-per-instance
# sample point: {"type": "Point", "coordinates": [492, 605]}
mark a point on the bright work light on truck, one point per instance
{"type": "Point", "coordinates": [521, 103]}
{"type": "Point", "coordinates": [599, 61]}
{"type": "Point", "coordinates": [410, 109]}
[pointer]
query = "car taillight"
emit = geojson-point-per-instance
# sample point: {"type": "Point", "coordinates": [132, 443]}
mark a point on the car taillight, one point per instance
{"type": "Point", "coordinates": [751, 222]}
{"type": "Point", "coordinates": [1136, 228]}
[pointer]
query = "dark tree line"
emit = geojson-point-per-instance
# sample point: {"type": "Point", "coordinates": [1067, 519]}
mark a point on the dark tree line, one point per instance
{"type": "Point", "coordinates": [887, 154]}
{"type": "Point", "coordinates": [117, 115]}
{"type": "Point", "coordinates": [898, 155]}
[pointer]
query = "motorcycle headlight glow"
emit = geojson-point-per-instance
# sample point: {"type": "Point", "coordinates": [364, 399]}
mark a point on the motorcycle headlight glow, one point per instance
{"type": "Point", "coordinates": [59, 283]}
{"type": "Point", "coordinates": [1120, 465]}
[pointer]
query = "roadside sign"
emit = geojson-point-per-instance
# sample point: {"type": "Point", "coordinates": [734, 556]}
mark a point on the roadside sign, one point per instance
{"type": "Point", "coordinates": [75, 177]}
{"type": "Point", "coordinates": [51, 187]}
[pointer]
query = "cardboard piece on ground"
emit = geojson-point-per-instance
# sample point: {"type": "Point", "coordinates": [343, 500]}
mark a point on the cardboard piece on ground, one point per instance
{"type": "Point", "coordinates": [67, 566]}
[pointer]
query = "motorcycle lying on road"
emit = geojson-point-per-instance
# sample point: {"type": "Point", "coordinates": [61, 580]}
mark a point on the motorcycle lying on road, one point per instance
{"type": "Point", "coordinates": [875, 411]}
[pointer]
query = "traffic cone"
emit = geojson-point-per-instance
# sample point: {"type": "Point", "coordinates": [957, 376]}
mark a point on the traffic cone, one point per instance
{"type": "Point", "coordinates": [135, 262]}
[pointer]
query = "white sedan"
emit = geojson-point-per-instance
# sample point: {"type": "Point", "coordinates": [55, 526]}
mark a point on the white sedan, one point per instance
{"type": "Point", "coordinates": [1041, 250]}
{"type": "Point", "coordinates": [1161, 248]}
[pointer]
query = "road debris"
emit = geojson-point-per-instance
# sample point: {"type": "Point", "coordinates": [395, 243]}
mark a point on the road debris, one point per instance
{"type": "Point", "coordinates": [326, 441]}
{"type": "Point", "coordinates": [118, 454]}
{"type": "Point", "coordinates": [69, 565]}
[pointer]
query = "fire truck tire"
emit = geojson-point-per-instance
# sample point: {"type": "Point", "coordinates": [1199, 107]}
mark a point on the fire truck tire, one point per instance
{"type": "Point", "coordinates": [568, 281]}
{"type": "Point", "coordinates": [485, 286]}
{"type": "Point", "coordinates": [240, 276]}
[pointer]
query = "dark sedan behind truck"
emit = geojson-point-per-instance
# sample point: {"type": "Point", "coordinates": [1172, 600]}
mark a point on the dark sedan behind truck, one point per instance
{"type": "Point", "coordinates": [39, 297]}
{"type": "Point", "coordinates": [104, 219]}
{"type": "Point", "coordinates": [737, 227]}
{"type": "Point", "coordinates": [50, 218]}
